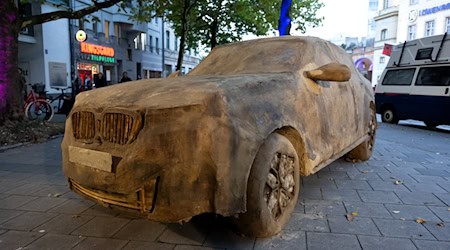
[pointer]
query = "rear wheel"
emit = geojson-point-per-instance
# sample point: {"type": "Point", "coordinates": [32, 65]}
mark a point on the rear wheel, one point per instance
{"type": "Point", "coordinates": [39, 110]}
{"type": "Point", "coordinates": [363, 151]}
{"type": "Point", "coordinates": [273, 188]}
{"type": "Point", "coordinates": [389, 116]}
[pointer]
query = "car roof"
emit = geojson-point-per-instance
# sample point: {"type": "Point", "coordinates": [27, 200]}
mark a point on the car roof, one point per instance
{"type": "Point", "coordinates": [268, 55]}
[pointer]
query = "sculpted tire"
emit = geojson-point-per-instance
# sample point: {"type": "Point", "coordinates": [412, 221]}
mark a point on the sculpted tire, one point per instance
{"type": "Point", "coordinates": [273, 188]}
{"type": "Point", "coordinates": [363, 151]}
{"type": "Point", "coordinates": [389, 116]}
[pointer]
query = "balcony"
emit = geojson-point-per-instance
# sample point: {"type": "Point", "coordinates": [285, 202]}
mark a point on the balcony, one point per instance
{"type": "Point", "coordinates": [385, 13]}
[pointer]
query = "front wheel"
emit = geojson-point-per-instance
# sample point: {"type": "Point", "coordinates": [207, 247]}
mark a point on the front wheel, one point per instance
{"type": "Point", "coordinates": [39, 110]}
{"type": "Point", "coordinates": [389, 116]}
{"type": "Point", "coordinates": [273, 188]}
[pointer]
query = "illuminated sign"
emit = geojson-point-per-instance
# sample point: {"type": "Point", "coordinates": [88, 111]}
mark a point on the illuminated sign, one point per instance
{"type": "Point", "coordinates": [81, 36]}
{"type": "Point", "coordinates": [105, 59]}
{"type": "Point", "coordinates": [433, 10]}
{"type": "Point", "coordinates": [97, 50]}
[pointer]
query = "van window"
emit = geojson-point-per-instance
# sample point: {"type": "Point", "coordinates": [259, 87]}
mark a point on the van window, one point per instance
{"type": "Point", "coordinates": [398, 77]}
{"type": "Point", "coordinates": [434, 76]}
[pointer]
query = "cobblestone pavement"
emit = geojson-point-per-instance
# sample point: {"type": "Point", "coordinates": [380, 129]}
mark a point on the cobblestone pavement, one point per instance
{"type": "Point", "coordinates": [407, 178]}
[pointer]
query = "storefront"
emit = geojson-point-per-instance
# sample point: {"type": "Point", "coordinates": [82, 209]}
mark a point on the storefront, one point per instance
{"type": "Point", "coordinates": [93, 60]}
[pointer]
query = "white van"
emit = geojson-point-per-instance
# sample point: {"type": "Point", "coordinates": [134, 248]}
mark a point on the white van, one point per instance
{"type": "Point", "coordinates": [416, 82]}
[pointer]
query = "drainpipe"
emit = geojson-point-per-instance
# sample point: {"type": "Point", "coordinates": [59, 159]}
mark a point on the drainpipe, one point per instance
{"type": "Point", "coordinates": [71, 44]}
{"type": "Point", "coordinates": [162, 45]}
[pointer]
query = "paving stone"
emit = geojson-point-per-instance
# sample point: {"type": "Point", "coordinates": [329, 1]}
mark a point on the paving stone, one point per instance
{"type": "Point", "coordinates": [2, 196]}
{"type": "Point", "coordinates": [101, 227]}
{"type": "Point", "coordinates": [187, 247]}
{"type": "Point", "coordinates": [101, 244]}
{"type": "Point", "coordinates": [444, 198]}
{"type": "Point", "coordinates": [307, 222]}
{"type": "Point", "coordinates": [397, 176]}
{"type": "Point", "coordinates": [6, 214]}
{"type": "Point", "coordinates": [331, 241]}
{"type": "Point", "coordinates": [225, 238]}
{"type": "Point", "coordinates": [419, 198]}
{"type": "Point", "coordinates": [442, 212]}
{"type": "Point", "coordinates": [73, 207]}
{"type": "Point", "coordinates": [17, 239]}
{"type": "Point", "coordinates": [412, 212]}
{"type": "Point", "coordinates": [318, 183]}
{"type": "Point", "coordinates": [435, 245]}
{"type": "Point", "coordinates": [285, 240]}
{"type": "Point", "coordinates": [27, 221]}
{"type": "Point", "coordinates": [25, 189]}
{"type": "Point", "coordinates": [367, 209]}
{"type": "Point", "coordinates": [312, 193]}
{"type": "Point", "coordinates": [387, 186]}
{"type": "Point", "coordinates": [352, 184]}
{"type": "Point", "coordinates": [440, 231]}
{"type": "Point", "coordinates": [428, 179]}
{"type": "Point", "coordinates": [2, 231]}
{"type": "Point", "coordinates": [402, 229]}
{"type": "Point", "coordinates": [144, 230]}
{"type": "Point", "coordinates": [379, 196]}
{"type": "Point", "coordinates": [333, 175]}
{"type": "Point", "coordinates": [42, 204]}
{"type": "Point", "coordinates": [359, 225]}
{"type": "Point", "coordinates": [64, 224]}
{"type": "Point", "coordinates": [141, 245]}
{"type": "Point", "coordinates": [98, 210]}
{"type": "Point", "coordinates": [52, 191]}
{"type": "Point", "coordinates": [323, 208]}
{"type": "Point", "coordinates": [340, 195]}
{"type": "Point", "coordinates": [425, 187]}
{"type": "Point", "coordinates": [15, 201]}
{"type": "Point", "coordinates": [55, 241]}
{"type": "Point", "coordinates": [183, 234]}
{"type": "Point", "coordinates": [434, 172]}
{"type": "Point", "coordinates": [444, 184]}
{"type": "Point", "coordinates": [376, 243]}
{"type": "Point", "coordinates": [359, 175]}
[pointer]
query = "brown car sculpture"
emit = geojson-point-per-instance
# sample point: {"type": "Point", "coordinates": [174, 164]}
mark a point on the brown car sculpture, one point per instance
{"type": "Point", "coordinates": [233, 137]}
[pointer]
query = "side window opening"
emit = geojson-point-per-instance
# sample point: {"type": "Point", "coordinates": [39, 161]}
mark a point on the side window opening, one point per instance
{"type": "Point", "coordinates": [434, 76]}
{"type": "Point", "coordinates": [399, 77]}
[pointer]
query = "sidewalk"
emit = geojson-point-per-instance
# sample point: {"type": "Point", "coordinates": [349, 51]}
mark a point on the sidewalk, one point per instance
{"type": "Point", "coordinates": [388, 193]}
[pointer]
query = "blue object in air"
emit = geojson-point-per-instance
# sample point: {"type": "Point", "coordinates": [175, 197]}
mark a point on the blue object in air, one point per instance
{"type": "Point", "coordinates": [284, 23]}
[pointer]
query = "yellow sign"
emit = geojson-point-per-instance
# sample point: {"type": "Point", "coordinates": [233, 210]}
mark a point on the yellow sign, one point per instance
{"type": "Point", "coordinates": [81, 36]}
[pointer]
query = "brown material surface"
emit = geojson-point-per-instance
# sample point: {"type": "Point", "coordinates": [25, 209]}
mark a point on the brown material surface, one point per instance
{"type": "Point", "coordinates": [197, 135]}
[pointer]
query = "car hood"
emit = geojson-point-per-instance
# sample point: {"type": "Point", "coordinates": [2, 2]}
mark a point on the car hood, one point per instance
{"type": "Point", "coordinates": [167, 92]}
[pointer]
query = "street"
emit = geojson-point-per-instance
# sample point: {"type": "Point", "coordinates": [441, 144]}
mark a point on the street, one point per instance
{"type": "Point", "coordinates": [400, 199]}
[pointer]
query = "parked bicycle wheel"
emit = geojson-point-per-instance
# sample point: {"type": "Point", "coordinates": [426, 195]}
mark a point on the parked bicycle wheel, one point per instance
{"type": "Point", "coordinates": [39, 110]}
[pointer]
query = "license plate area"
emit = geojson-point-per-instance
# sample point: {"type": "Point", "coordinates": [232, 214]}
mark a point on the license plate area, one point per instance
{"type": "Point", "coordinates": [91, 158]}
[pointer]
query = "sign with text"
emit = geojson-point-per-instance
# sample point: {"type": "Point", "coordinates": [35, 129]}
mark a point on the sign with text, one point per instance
{"type": "Point", "coordinates": [97, 53]}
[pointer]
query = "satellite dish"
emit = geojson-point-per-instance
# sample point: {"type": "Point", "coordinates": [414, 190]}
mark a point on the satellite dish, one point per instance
{"type": "Point", "coordinates": [81, 36]}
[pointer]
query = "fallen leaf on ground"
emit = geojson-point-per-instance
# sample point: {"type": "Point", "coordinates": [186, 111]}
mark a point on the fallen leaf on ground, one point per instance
{"type": "Point", "coordinates": [56, 195]}
{"type": "Point", "coordinates": [420, 220]}
{"type": "Point", "coordinates": [365, 171]}
{"type": "Point", "coordinates": [441, 224]}
{"type": "Point", "coordinates": [354, 213]}
{"type": "Point", "coordinates": [448, 209]}
{"type": "Point", "coordinates": [41, 231]}
{"type": "Point", "coordinates": [402, 219]}
{"type": "Point", "coordinates": [76, 216]}
{"type": "Point", "coordinates": [349, 217]}
{"type": "Point", "coordinates": [398, 182]}
{"type": "Point", "coordinates": [396, 212]}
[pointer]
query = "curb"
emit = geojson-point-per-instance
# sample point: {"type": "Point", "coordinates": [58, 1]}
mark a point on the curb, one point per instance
{"type": "Point", "coordinates": [8, 147]}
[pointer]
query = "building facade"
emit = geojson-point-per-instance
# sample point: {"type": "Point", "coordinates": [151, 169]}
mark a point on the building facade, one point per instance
{"type": "Point", "coordinates": [404, 20]}
{"type": "Point", "coordinates": [50, 53]}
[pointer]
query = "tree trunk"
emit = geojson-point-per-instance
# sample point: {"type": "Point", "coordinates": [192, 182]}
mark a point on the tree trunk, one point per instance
{"type": "Point", "coordinates": [214, 27]}
{"type": "Point", "coordinates": [10, 86]}
{"type": "Point", "coordinates": [183, 34]}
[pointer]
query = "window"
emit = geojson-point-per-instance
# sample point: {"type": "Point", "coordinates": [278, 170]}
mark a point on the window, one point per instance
{"type": "Point", "coordinates": [175, 43]}
{"type": "Point", "coordinates": [136, 41]}
{"type": "Point", "coordinates": [167, 39]}
{"type": "Point", "coordinates": [106, 30]}
{"type": "Point", "coordinates": [383, 34]}
{"type": "Point", "coordinates": [156, 20]}
{"type": "Point", "coordinates": [117, 32]}
{"type": "Point", "coordinates": [398, 77]}
{"type": "Point", "coordinates": [434, 76]}
{"type": "Point", "coordinates": [129, 55]}
{"type": "Point", "coordinates": [412, 32]}
{"type": "Point", "coordinates": [25, 10]}
{"type": "Point", "coordinates": [95, 27]}
{"type": "Point", "coordinates": [143, 43]}
{"type": "Point", "coordinates": [150, 40]}
{"type": "Point", "coordinates": [412, 2]}
{"type": "Point", "coordinates": [387, 4]}
{"type": "Point", "coordinates": [429, 28]}
{"type": "Point", "coordinates": [382, 59]}
{"type": "Point", "coordinates": [447, 25]}
{"type": "Point", "coordinates": [157, 45]}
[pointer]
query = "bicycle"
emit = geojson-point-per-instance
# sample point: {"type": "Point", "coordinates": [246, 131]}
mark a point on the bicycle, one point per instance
{"type": "Point", "coordinates": [35, 106]}
{"type": "Point", "coordinates": [62, 98]}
